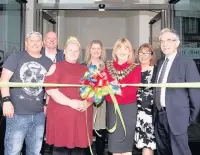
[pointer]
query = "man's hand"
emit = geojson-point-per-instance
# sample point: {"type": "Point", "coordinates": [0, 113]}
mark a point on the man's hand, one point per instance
{"type": "Point", "coordinates": [8, 109]}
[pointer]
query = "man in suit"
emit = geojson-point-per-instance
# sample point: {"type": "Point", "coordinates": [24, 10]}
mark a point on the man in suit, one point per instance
{"type": "Point", "coordinates": [176, 107]}
{"type": "Point", "coordinates": [50, 47]}
{"type": "Point", "coordinates": [50, 50]}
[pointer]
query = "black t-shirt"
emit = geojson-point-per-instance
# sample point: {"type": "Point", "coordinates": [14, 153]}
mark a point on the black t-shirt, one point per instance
{"type": "Point", "coordinates": [27, 69]}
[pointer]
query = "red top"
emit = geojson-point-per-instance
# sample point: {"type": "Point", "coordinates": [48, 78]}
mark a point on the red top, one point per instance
{"type": "Point", "coordinates": [66, 127]}
{"type": "Point", "coordinates": [129, 92]}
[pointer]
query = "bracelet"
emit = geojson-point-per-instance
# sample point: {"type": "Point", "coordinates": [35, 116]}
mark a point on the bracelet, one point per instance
{"type": "Point", "coordinates": [6, 99]}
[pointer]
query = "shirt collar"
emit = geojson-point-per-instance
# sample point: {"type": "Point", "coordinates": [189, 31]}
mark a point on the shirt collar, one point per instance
{"type": "Point", "coordinates": [46, 52]}
{"type": "Point", "coordinates": [171, 57]}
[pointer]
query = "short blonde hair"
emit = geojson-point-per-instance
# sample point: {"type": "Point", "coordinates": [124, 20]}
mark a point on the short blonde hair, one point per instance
{"type": "Point", "coordinates": [118, 45]}
{"type": "Point", "coordinates": [72, 40]}
{"type": "Point", "coordinates": [147, 46]}
{"type": "Point", "coordinates": [87, 58]}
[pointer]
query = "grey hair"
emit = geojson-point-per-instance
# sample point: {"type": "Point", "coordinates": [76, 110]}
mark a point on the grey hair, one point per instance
{"type": "Point", "coordinates": [33, 33]}
{"type": "Point", "coordinates": [171, 31]}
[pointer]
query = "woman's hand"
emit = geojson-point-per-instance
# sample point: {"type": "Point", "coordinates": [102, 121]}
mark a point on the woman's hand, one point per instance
{"type": "Point", "coordinates": [84, 105]}
{"type": "Point", "coordinates": [75, 104]}
{"type": "Point", "coordinates": [79, 104]}
{"type": "Point", "coordinates": [115, 82]}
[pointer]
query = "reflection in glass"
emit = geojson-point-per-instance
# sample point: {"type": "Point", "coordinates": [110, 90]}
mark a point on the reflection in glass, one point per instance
{"type": "Point", "coordinates": [10, 27]}
{"type": "Point", "coordinates": [156, 27]}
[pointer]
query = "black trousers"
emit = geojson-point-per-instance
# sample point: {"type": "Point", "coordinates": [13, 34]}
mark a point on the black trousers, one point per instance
{"type": "Point", "coordinates": [67, 151]}
{"type": "Point", "coordinates": [100, 143]}
{"type": "Point", "coordinates": [167, 142]}
{"type": "Point", "coordinates": [2, 131]}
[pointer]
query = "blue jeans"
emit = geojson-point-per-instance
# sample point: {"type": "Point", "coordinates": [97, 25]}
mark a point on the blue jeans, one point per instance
{"type": "Point", "coordinates": [24, 127]}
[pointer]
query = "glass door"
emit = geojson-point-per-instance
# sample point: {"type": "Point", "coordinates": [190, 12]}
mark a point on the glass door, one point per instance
{"type": "Point", "coordinates": [11, 40]}
{"type": "Point", "coordinates": [49, 22]}
{"type": "Point", "coordinates": [46, 21]}
{"type": "Point", "coordinates": [156, 24]}
{"type": "Point", "coordinates": [187, 24]}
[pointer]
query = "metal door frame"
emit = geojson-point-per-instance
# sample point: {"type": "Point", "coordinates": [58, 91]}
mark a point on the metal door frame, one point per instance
{"type": "Point", "coordinates": [167, 10]}
{"type": "Point", "coordinates": [160, 16]}
{"type": "Point", "coordinates": [108, 7]}
{"type": "Point", "coordinates": [166, 17]}
{"type": "Point", "coordinates": [39, 22]}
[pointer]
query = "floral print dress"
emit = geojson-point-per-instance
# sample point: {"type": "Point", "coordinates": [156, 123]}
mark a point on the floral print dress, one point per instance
{"type": "Point", "coordinates": [144, 132]}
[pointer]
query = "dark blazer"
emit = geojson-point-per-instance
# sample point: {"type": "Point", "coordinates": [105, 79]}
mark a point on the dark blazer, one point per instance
{"type": "Point", "coordinates": [59, 55]}
{"type": "Point", "coordinates": [182, 105]}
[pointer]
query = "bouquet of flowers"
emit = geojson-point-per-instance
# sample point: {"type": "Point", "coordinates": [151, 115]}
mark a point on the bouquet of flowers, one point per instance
{"type": "Point", "coordinates": [95, 86]}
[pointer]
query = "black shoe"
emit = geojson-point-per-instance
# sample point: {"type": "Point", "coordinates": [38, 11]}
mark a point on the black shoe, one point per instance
{"type": "Point", "coordinates": [48, 148]}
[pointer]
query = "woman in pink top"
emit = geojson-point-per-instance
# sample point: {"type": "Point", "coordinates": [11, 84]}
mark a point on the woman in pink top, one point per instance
{"type": "Point", "coordinates": [67, 114]}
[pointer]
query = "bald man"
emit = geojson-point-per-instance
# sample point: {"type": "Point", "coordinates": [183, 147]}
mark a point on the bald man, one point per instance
{"type": "Point", "coordinates": [50, 47]}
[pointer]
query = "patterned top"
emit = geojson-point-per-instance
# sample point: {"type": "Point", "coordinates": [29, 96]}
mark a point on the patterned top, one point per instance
{"type": "Point", "coordinates": [144, 132]}
{"type": "Point", "coordinates": [145, 94]}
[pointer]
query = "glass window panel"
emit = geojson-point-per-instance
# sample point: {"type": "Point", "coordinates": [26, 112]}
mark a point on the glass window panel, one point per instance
{"type": "Point", "coordinates": [47, 26]}
{"type": "Point", "coordinates": [156, 27]}
{"type": "Point", "coordinates": [187, 24]}
{"type": "Point", "coordinates": [10, 28]}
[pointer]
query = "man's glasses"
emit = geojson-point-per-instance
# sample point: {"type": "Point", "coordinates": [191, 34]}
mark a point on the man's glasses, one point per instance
{"type": "Point", "coordinates": [168, 41]}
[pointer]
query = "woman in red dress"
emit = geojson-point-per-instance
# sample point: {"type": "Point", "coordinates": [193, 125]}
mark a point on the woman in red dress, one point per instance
{"type": "Point", "coordinates": [68, 117]}
{"type": "Point", "coordinates": [123, 70]}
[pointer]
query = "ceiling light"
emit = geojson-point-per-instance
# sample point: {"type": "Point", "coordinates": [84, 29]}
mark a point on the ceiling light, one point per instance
{"type": "Point", "coordinates": [101, 9]}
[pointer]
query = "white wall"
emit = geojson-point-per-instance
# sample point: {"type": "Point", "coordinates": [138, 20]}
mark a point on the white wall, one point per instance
{"type": "Point", "coordinates": [106, 26]}
{"type": "Point", "coordinates": [90, 25]}
{"type": "Point", "coordinates": [132, 28]}
{"type": "Point", "coordinates": [61, 29]}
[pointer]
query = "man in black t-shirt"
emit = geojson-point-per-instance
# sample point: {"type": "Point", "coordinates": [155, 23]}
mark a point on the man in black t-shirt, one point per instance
{"type": "Point", "coordinates": [23, 107]}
